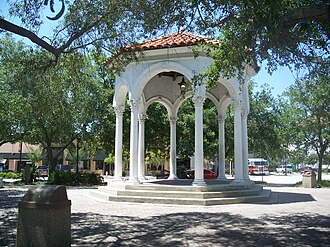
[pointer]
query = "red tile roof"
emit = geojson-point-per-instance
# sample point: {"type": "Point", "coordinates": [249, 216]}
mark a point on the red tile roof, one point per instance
{"type": "Point", "coordinates": [180, 39]}
{"type": "Point", "coordinates": [174, 40]}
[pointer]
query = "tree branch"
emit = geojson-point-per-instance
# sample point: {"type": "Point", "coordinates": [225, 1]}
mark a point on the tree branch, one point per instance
{"type": "Point", "coordinates": [317, 12]}
{"type": "Point", "coordinates": [6, 25]}
{"type": "Point", "coordinates": [78, 34]}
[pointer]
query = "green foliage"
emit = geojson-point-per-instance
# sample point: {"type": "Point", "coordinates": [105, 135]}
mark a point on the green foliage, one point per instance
{"type": "Point", "coordinates": [11, 175]}
{"type": "Point", "coordinates": [110, 159]}
{"type": "Point", "coordinates": [264, 124]}
{"type": "Point", "coordinates": [35, 155]}
{"type": "Point", "coordinates": [185, 129]}
{"type": "Point", "coordinates": [157, 129]}
{"type": "Point", "coordinates": [324, 183]}
{"type": "Point", "coordinates": [66, 98]}
{"type": "Point", "coordinates": [71, 152]}
{"type": "Point", "coordinates": [307, 116]}
{"type": "Point", "coordinates": [74, 179]}
{"type": "Point", "coordinates": [181, 173]}
{"type": "Point", "coordinates": [155, 158]}
{"type": "Point", "coordinates": [284, 32]}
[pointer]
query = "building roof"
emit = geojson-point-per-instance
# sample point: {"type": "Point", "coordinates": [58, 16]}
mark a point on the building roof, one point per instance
{"type": "Point", "coordinates": [180, 39]}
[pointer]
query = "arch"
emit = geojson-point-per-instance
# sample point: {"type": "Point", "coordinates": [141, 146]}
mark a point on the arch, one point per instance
{"type": "Point", "coordinates": [223, 105]}
{"type": "Point", "coordinates": [189, 94]}
{"type": "Point", "coordinates": [121, 92]}
{"type": "Point", "coordinates": [165, 102]}
{"type": "Point", "coordinates": [150, 71]}
{"type": "Point", "coordinates": [231, 86]}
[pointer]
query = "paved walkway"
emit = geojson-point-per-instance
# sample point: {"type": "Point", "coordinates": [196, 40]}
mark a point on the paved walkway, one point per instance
{"type": "Point", "coordinates": [293, 217]}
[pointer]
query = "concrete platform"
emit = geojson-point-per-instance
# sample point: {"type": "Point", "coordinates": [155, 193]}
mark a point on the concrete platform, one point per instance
{"type": "Point", "coordinates": [181, 192]}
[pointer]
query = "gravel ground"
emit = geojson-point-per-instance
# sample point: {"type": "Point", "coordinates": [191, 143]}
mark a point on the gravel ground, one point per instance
{"type": "Point", "coordinates": [293, 217]}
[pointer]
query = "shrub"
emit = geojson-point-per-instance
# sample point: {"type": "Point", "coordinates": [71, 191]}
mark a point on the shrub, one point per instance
{"type": "Point", "coordinates": [12, 175]}
{"type": "Point", "coordinates": [91, 179]}
{"type": "Point", "coordinates": [74, 179]}
{"type": "Point", "coordinates": [323, 183]}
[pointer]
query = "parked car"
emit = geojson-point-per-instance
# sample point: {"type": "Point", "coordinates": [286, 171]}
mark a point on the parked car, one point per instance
{"type": "Point", "coordinates": [284, 169]}
{"type": "Point", "coordinates": [42, 171]}
{"type": "Point", "coordinates": [208, 174]}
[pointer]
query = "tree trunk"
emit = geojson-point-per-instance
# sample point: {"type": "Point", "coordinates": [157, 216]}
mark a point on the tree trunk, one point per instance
{"type": "Point", "coordinates": [319, 173]}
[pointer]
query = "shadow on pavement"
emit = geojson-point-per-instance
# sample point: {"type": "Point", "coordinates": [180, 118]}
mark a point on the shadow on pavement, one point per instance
{"type": "Point", "coordinates": [287, 197]}
{"type": "Point", "coordinates": [8, 215]}
{"type": "Point", "coordinates": [200, 229]}
{"type": "Point", "coordinates": [182, 229]}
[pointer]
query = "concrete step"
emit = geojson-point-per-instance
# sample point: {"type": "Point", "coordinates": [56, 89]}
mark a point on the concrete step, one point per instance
{"type": "Point", "coordinates": [182, 194]}
{"type": "Point", "coordinates": [209, 188]}
{"type": "Point", "coordinates": [264, 195]}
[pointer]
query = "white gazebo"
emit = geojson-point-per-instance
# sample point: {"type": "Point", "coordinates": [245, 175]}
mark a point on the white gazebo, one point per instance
{"type": "Point", "coordinates": [168, 62]}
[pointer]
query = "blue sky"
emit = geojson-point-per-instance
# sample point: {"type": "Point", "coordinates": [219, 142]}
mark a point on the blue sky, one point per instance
{"type": "Point", "coordinates": [279, 81]}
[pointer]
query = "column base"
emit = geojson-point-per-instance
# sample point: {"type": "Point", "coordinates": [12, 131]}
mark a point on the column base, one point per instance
{"type": "Point", "coordinates": [142, 178]}
{"type": "Point", "coordinates": [117, 179]}
{"type": "Point", "coordinates": [133, 181]}
{"type": "Point", "coordinates": [221, 178]}
{"type": "Point", "coordinates": [199, 182]}
{"type": "Point", "coordinates": [239, 180]}
{"type": "Point", "coordinates": [173, 177]}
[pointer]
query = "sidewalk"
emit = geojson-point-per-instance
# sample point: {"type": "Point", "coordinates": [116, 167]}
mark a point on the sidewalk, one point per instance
{"type": "Point", "coordinates": [293, 217]}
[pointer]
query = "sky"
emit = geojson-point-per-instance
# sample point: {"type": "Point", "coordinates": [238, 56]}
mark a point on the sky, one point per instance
{"type": "Point", "coordinates": [279, 81]}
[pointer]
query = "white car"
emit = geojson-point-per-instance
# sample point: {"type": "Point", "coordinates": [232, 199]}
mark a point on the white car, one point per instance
{"type": "Point", "coordinates": [284, 168]}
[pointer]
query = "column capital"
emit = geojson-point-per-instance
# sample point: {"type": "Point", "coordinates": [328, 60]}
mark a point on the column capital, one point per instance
{"type": "Point", "coordinates": [119, 110]}
{"type": "Point", "coordinates": [198, 100]}
{"type": "Point", "coordinates": [221, 118]}
{"type": "Point", "coordinates": [172, 120]}
{"type": "Point", "coordinates": [142, 117]}
{"type": "Point", "coordinates": [236, 104]}
{"type": "Point", "coordinates": [134, 104]}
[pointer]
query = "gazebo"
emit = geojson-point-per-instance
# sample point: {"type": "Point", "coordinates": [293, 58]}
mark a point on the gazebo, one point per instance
{"type": "Point", "coordinates": [163, 74]}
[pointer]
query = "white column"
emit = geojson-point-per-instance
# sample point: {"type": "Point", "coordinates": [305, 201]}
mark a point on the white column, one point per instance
{"type": "Point", "coordinates": [199, 151]}
{"type": "Point", "coordinates": [222, 154]}
{"type": "Point", "coordinates": [119, 142]}
{"type": "Point", "coordinates": [173, 175]}
{"type": "Point", "coordinates": [238, 141]}
{"type": "Point", "coordinates": [133, 162]}
{"type": "Point", "coordinates": [245, 151]}
{"type": "Point", "coordinates": [141, 155]}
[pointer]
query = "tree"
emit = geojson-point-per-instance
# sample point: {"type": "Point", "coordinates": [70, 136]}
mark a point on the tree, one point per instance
{"type": "Point", "coordinates": [110, 159]}
{"type": "Point", "coordinates": [12, 105]}
{"type": "Point", "coordinates": [71, 152]}
{"type": "Point", "coordinates": [264, 124]}
{"type": "Point", "coordinates": [102, 24]}
{"type": "Point", "coordinates": [35, 155]}
{"type": "Point", "coordinates": [157, 130]}
{"type": "Point", "coordinates": [61, 101]}
{"type": "Point", "coordinates": [308, 116]}
{"type": "Point", "coordinates": [294, 32]}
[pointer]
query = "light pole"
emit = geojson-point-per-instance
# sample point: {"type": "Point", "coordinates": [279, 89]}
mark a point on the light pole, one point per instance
{"type": "Point", "coordinates": [77, 167]}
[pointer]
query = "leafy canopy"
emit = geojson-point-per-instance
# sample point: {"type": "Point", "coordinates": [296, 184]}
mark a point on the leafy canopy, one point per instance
{"type": "Point", "coordinates": [308, 116]}
{"type": "Point", "coordinates": [292, 33]}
